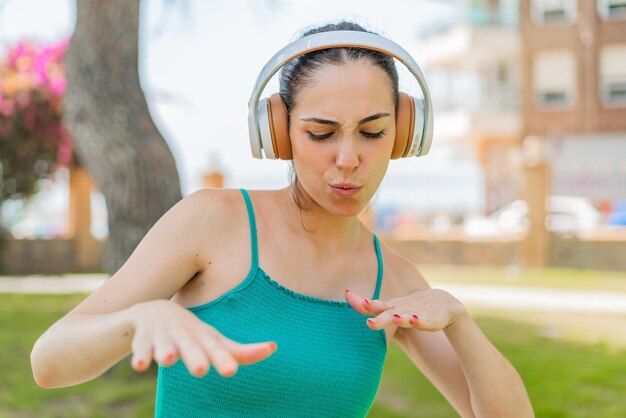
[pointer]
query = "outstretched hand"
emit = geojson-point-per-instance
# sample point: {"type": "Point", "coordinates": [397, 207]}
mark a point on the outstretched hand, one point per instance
{"type": "Point", "coordinates": [426, 310]}
{"type": "Point", "coordinates": [166, 332]}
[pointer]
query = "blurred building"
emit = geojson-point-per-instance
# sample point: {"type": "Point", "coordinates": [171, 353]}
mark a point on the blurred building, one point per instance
{"type": "Point", "coordinates": [473, 69]}
{"type": "Point", "coordinates": [574, 93]}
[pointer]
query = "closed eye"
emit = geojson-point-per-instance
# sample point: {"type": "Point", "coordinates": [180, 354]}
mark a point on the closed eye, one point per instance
{"type": "Point", "coordinates": [314, 137]}
{"type": "Point", "coordinates": [373, 135]}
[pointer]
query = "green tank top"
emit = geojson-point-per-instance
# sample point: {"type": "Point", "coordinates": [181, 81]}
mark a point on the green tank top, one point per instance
{"type": "Point", "coordinates": [328, 362]}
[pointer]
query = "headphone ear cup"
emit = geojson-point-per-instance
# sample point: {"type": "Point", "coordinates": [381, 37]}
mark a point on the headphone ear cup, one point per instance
{"type": "Point", "coordinates": [405, 125]}
{"type": "Point", "coordinates": [265, 134]}
{"type": "Point", "coordinates": [278, 127]}
{"type": "Point", "coordinates": [423, 135]}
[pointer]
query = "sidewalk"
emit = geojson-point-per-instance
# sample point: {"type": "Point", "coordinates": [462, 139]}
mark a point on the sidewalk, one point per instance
{"type": "Point", "coordinates": [48, 284]}
{"type": "Point", "coordinates": [501, 297]}
{"type": "Point", "coordinates": [537, 298]}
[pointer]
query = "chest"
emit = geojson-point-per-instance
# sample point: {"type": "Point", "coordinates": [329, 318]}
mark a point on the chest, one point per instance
{"type": "Point", "coordinates": [328, 363]}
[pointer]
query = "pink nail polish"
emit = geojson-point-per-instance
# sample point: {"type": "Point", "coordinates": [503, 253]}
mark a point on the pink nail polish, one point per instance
{"type": "Point", "coordinates": [396, 316]}
{"type": "Point", "coordinates": [368, 301]}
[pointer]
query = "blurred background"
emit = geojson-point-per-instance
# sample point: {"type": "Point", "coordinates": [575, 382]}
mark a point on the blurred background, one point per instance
{"type": "Point", "coordinates": [110, 112]}
{"type": "Point", "coordinates": [530, 121]}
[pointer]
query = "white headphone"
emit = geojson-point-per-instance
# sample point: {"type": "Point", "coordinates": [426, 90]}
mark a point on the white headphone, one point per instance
{"type": "Point", "coordinates": [267, 119]}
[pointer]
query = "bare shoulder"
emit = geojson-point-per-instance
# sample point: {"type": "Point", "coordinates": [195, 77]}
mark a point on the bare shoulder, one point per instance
{"type": "Point", "coordinates": [199, 215]}
{"type": "Point", "coordinates": [171, 253]}
{"type": "Point", "coordinates": [207, 204]}
{"type": "Point", "coordinates": [401, 275]}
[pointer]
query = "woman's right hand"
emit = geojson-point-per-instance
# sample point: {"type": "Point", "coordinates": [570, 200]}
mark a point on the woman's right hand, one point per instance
{"type": "Point", "coordinates": [166, 332]}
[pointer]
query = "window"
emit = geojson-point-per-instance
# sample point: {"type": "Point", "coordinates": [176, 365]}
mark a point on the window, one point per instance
{"type": "Point", "coordinates": [612, 9]}
{"type": "Point", "coordinates": [613, 75]}
{"type": "Point", "coordinates": [554, 79]}
{"type": "Point", "coordinates": [554, 11]}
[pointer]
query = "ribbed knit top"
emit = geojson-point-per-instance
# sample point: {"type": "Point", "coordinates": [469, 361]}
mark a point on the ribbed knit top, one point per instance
{"type": "Point", "coordinates": [328, 362]}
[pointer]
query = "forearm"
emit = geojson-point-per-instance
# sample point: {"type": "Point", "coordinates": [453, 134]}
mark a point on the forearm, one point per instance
{"type": "Point", "coordinates": [81, 347]}
{"type": "Point", "coordinates": [496, 389]}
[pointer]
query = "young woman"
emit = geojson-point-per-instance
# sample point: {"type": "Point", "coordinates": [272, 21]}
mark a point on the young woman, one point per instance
{"type": "Point", "coordinates": [282, 303]}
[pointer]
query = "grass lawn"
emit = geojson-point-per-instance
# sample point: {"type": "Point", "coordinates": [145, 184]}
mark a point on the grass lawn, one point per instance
{"type": "Point", "coordinates": [565, 377]}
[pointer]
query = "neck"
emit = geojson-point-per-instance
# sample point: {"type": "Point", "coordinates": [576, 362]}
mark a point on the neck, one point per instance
{"type": "Point", "coordinates": [326, 232]}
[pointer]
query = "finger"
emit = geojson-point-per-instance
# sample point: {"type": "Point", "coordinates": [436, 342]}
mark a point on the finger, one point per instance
{"type": "Point", "coordinates": [366, 306]}
{"type": "Point", "coordinates": [381, 321]}
{"type": "Point", "coordinates": [141, 347]}
{"type": "Point", "coordinates": [219, 356]}
{"type": "Point", "coordinates": [377, 306]}
{"type": "Point", "coordinates": [249, 353]}
{"type": "Point", "coordinates": [405, 319]}
{"type": "Point", "coordinates": [165, 351]}
{"type": "Point", "coordinates": [193, 355]}
{"type": "Point", "coordinates": [356, 302]}
{"type": "Point", "coordinates": [424, 323]}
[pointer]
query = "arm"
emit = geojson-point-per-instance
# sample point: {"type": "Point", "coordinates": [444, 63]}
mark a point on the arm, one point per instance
{"type": "Point", "coordinates": [463, 364]}
{"type": "Point", "coordinates": [72, 352]}
{"type": "Point", "coordinates": [135, 300]}
{"type": "Point", "coordinates": [495, 386]}
{"type": "Point", "coordinates": [447, 346]}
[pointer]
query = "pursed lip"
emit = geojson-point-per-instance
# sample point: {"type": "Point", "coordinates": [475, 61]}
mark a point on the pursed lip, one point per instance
{"type": "Point", "coordinates": [345, 186]}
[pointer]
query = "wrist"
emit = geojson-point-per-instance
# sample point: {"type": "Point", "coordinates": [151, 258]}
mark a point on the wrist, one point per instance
{"type": "Point", "coordinates": [458, 314]}
{"type": "Point", "coordinates": [131, 316]}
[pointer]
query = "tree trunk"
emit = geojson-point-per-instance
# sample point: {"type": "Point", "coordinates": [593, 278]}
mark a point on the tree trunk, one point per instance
{"type": "Point", "coordinates": [115, 137]}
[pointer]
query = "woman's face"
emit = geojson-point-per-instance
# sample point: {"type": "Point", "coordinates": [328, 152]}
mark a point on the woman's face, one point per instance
{"type": "Point", "coordinates": [342, 130]}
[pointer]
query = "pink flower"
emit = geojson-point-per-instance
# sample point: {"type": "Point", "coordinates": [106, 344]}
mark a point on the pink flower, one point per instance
{"type": "Point", "coordinates": [19, 51]}
{"type": "Point", "coordinates": [57, 85]}
{"type": "Point", "coordinates": [32, 84]}
{"type": "Point", "coordinates": [23, 99]}
{"type": "Point", "coordinates": [8, 108]}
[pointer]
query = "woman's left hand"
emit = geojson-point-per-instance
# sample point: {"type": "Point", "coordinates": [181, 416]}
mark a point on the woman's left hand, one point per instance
{"type": "Point", "coordinates": [426, 310]}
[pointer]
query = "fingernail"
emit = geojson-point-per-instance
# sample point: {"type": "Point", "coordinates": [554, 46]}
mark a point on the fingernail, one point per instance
{"type": "Point", "coordinates": [347, 290]}
{"type": "Point", "coordinates": [370, 320]}
{"type": "Point", "coordinates": [414, 316]}
{"type": "Point", "coordinates": [200, 370]}
{"type": "Point", "coordinates": [396, 316]}
{"type": "Point", "coordinates": [231, 369]}
{"type": "Point", "coordinates": [169, 357]}
{"type": "Point", "coordinates": [368, 301]}
{"type": "Point", "coordinates": [274, 346]}
{"type": "Point", "coordinates": [140, 364]}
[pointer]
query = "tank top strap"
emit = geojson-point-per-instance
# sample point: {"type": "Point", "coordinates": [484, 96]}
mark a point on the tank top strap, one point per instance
{"type": "Point", "coordinates": [379, 278]}
{"type": "Point", "coordinates": [252, 221]}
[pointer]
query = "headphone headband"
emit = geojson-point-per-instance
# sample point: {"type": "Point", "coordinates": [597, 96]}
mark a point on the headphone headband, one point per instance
{"type": "Point", "coordinates": [337, 39]}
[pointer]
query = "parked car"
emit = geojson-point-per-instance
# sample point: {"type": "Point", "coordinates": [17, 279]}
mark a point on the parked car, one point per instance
{"type": "Point", "coordinates": [565, 215]}
{"type": "Point", "coordinates": [617, 217]}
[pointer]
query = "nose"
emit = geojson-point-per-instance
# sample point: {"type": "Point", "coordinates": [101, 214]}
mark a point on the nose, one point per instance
{"type": "Point", "coordinates": [347, 154]}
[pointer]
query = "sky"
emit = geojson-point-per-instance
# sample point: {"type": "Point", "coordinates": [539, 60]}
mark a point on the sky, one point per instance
{"type": "Point", "coordinates": [199, 60]}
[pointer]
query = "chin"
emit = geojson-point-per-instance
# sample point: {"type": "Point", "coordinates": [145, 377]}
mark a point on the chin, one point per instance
{"type": "Point", "coordinates": [346, 209]}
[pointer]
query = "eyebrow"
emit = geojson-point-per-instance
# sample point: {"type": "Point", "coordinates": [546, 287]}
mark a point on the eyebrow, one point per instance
{"type": "Point", "coordinates": [333, 123]}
